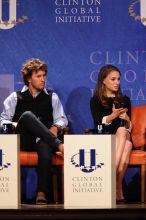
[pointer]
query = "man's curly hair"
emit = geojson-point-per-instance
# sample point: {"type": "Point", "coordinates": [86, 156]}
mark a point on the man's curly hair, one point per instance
{"type": "Point", "coordinates": [30, 66]}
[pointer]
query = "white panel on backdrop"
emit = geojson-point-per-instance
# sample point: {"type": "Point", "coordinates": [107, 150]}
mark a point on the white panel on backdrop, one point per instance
{"type": "Point", "coordinates": [9, 172]}
{"type": "Point", "coordinates": [89, 171]}
{"type": "Point", "coordinates": [7, 82]}
{"type": "Point", "coordinates": [143, 11]}
{"type": "Point", "coordinates": [6, 87]}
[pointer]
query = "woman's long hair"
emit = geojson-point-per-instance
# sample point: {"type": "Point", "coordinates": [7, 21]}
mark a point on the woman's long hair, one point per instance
{"type": "Point", "coordinates": [100, 92]}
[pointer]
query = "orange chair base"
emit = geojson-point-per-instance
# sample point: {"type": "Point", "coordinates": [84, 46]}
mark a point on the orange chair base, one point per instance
{"type": "Point", "coordinates": [31, 159]}
{"type": "Point", "coordinates": [138, 157]}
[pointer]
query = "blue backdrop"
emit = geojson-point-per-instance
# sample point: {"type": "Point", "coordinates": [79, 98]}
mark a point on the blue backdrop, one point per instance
{"type": "Point", "coordinates": [75, 38]}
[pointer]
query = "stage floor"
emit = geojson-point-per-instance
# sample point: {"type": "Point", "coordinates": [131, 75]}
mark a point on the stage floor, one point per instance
{"type": "Point", "coordinates": [57, 212]}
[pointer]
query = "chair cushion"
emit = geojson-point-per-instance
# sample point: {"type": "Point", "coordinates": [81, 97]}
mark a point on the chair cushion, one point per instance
{"type": "Point", "coordinates": [31, 159]}
{"type": "Point", "coordinates": [137, 157]}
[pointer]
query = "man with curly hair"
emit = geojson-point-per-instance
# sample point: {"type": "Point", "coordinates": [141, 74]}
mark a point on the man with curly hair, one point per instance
{"type": "Point", "coordinates": [38, 117]}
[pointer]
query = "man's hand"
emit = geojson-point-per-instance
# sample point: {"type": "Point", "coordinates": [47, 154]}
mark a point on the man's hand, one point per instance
{"type": "Point", "coordinates": [54, 130]}
{"type": "Point", "coordinates": [61, 150]}
{"type": "Point", "coordinates": [14, 124]}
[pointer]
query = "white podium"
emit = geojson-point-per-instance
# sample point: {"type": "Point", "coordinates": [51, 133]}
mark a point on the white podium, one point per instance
{"type": "Point", "coordinates": [9, 172]}
{"type": "Point", "coordinates": [89, 171]}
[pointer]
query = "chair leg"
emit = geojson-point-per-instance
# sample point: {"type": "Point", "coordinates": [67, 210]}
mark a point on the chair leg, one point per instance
{"type": "Point", "coordinates": [55, 185]}
{"type": "Point", "coordinates": [62, 171]}
{"type": "Point", "coordinates": [55, 182]}
{"type": "Point", "coordinates": [143, 183]}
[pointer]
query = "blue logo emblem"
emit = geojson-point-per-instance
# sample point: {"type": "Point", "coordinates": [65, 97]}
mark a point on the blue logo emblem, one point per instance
{"type": "Point", "coordinates": [2, 166]}
{"type": "Point", "coordinates": [86, 161]}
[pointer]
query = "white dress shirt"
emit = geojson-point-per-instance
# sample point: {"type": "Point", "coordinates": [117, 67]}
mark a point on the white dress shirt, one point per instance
{"type": "Point", "coordinates": [9, 106]}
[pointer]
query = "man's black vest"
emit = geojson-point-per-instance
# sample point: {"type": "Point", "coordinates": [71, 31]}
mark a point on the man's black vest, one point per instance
{"type": "Point", "coordinates": [41, 106]}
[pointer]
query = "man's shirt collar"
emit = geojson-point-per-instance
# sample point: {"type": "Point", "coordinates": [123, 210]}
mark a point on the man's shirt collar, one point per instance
{"type": "Point", "coordinates": [25, 88]}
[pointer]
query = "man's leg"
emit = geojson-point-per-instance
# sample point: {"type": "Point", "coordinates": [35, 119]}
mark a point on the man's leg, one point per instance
{"type": "Point", "coordinates": [30, 128]}
{"type": "Point", "coordinates": [44, 169]}
{"type": "Point", "coordinates": [30, 123]}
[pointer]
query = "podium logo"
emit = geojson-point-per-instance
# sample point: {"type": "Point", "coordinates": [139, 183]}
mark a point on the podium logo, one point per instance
{"type": "Point", "coordinates": [2, 165]}
{"type": "Point", "coordinates": [86, 161]}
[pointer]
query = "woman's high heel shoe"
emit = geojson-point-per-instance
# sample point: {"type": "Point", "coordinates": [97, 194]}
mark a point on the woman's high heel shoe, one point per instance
{"type": "Point", "coordinates": [121, 201]}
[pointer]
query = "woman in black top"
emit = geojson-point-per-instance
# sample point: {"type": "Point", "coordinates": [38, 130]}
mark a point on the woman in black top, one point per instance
{"type": "Point", "coordinates": [109, 106]}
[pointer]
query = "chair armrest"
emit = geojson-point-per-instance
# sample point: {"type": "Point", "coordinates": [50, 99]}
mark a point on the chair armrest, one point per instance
{"type": "Point", "coordinates": [66, 130]}
{"type": "Point", "coordinates": [88, 131]}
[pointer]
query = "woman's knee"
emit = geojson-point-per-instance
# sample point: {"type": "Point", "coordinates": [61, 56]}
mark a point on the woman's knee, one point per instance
{"type": "Point", "coordinates": [128, 144]}
{"type": "Point", "coordinates": [122, 132]}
